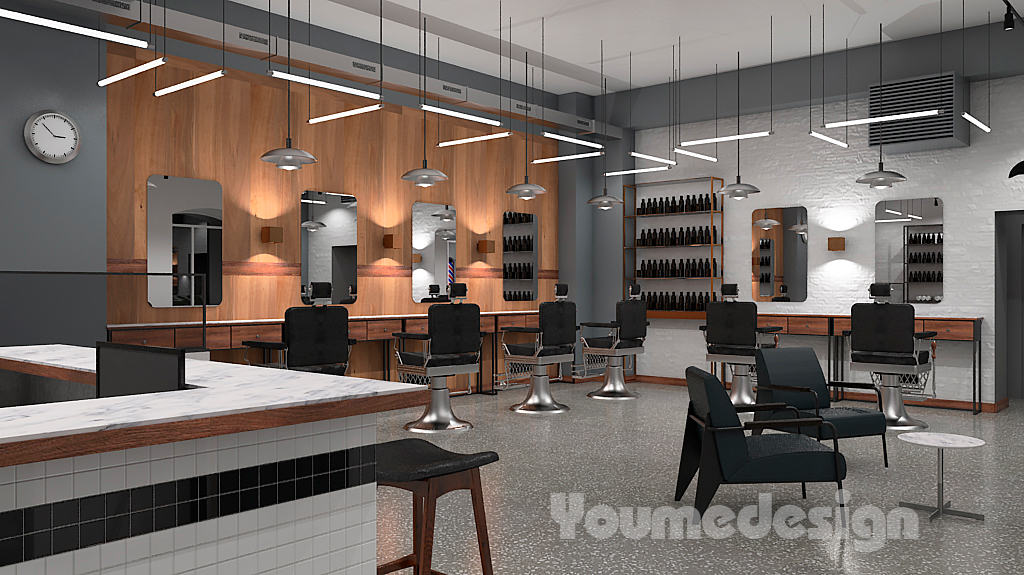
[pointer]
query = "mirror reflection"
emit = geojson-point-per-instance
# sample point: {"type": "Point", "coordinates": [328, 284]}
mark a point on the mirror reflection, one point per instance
{"type": "Point", "coordinates": [909, 247]}
{"type": "Point", "coordinates": [519, 256]}
{"type": "Point", "coordinates": [328, 236]}
{"type": "Point", "coordinates": [779, 260]}
{"type": "Point", "coordinates": [433, 251]}
{"type": "Point", "coordinates": [184, 236]}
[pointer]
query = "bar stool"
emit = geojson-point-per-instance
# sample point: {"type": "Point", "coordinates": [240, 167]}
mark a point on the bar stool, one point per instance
{"type": "Point", "coordinates": [428, 472]}
{"type": "Point", "coordinates": [626, 338]}
{"type": "Point", "coordinates": [451, 346]}
{"type": "Point", "coordinates": [555, 344]}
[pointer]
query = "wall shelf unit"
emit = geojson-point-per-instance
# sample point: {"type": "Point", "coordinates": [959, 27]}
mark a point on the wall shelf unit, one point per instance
{"type": "Point", "coordinates": [922, 263]}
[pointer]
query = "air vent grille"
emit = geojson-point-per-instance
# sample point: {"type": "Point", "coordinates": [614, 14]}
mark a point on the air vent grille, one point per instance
{"type": "Point", "coordinates": [944, 92]}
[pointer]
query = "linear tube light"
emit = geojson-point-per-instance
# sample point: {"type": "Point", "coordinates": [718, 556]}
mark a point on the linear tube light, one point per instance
{"type": "Point", "coordinates": [190, 83]}
{"type": "Point", "coordinates": [695, 155]}
{"type": "Point", "coordinates": [474, 139]}
{"type": "Point", "coordinates": [720, 139]}
{"type": "Point", "coordinates": [325, 85]}
{"type": "Point", "coordinates": [636, 171]}
{"type": "Point", "coordinates": [131, 72]}
{"type": "Point", "coordinates": [653, 158]}
{"type": "Point", "coordinates": [555, 136]}
{"type": "Point", "coordinates": [879, 119]}
{"type": "Point", "coordinates": [464, 116]}
{"type": "Point", "coordinates": [893, 212]}
{"type": "Point", "coordinates": [981, 125]}
{"type": "Point", "coordinates": [829, 139]}
{"type": "Point", "coordinates": [65, 27]}
{"type": "Point", "coordinates": [894, 220]}
{"type": "Point", "coordinates": [914, 217]}
{"type": "Point", "coordinates": [345, 114]}
{"type": "Point", "coordinates": [564, 158]}
{"type": "Point", "coordinates": [315, 202]}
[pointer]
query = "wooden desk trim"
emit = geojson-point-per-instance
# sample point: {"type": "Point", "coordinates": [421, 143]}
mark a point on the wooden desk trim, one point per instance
{"type": "Point", "coordinates": [54, 372]}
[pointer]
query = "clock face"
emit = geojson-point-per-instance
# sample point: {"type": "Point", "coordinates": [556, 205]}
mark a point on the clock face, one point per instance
{"type": "Point", "coordinates": [52, 137]}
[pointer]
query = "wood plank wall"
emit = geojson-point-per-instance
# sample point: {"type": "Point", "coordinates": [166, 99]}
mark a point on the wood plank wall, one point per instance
{"type": "Point", "coordinates": [219, 130]}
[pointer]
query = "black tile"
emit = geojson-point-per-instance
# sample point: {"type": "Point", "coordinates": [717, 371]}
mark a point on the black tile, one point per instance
{"type": "Point", "coordinates": [285, 491]}
{"type": "Point", "coordinates": [65, 513]}
{"type": "Point", "coordinates": [268, 495]}
{"type": "Point", "coordinates": [38, 518]}
{"type": "Point", "coordinates": [142, 498]}
{"type": "Point", "coordinates": [118, 503]}
{"type": "Point", "coordinates": [339, 460]}
{"type": "Point", "coordinates": [142, 522]}
{"type": "Point", "coordinates": [165, 517]}
{"type": "Point", "coordinates": [322, 463]}
{"type": "Point", "coordinates": [91, 533]}
{"type": "Point", "coordinates": [93, 507]}
{"type": "Point", "coordinates": [188, 512]}
{"type": "Point", "coordinates": [38, 545]}
{"type": "Point", "coordinates": [209, 508]}
{"type": "Point", "coordinates": [11, 524]}
{"type": "Point", "coordinates": [304, 488]}
{"type": "Point", "coordinates": [286, 470]}
{"type": "Point", "coordinates": [118, 527]}
{"type": "Point", "coordinates": [304, 466]}
{"type": "Point", "coordinates": [338, 480]}
{"type": "Point", "coordinates": [65, 539]}
{"type": "Point", "coordinates": [248, 500]}
{"type": "Point", "coordinates": [249, 477]}
{"type": "Point", "coordinates": [209, 485]}
{"type": "Point", "coordinates": [165, 494]}
{"type": "Point", "coordinates": [321, 483]}
{"type": "Point", "coordinates": [229, 481]}
{"type": "Point", "coordinates": [268, 473]}
{"type": "Point", "coordinates": [367, 454]}
{"type": "Point", "coordinates": [188, 489]}
{"type": "Point", "coordinates": [228, 503]}
{"type": "Point", "coordinates": [10, 551]}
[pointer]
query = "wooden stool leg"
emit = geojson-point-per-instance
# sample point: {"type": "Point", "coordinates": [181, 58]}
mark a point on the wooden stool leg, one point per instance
{"type": "Point", "coordinates": [481, 521]}
{"type": "Point", "coordinates": [426, 546]}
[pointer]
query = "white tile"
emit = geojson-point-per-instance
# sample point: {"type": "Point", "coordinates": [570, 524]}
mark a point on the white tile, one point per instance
{"type": "Point", "coordinates": [266, 539]}
{"type": "Point", "coordinates": [229, 567]}
{"type": "Point", "coordinates": [248, 438]}
{"type": "Point", "coordinates": [29, 493]}
{"type": "Point", "coordinates": [227, 459]}
{"type": "Point", "coordinates": [87, 560]}
{"type": "Point", "coordinates": [137, 568]}
{"type": "Point", "coordinates": [184, 560]}
{"type": "Point", "coordinates": [339, 560]}
{"type": "Point", "coordinates": [138, 548]}
{"type": "Point", "coordinates": [303, 529]}
{"type": "Point", "coordinates": [34, 567]}
{"type": "Point", "coordinates": [303, 567]}
{"type": "Point", "coordinates": [285, 555]}
{"type": "Point", "coordinates": [266, 435]}
{"type": "Point", "coordinates": [303, 430]}
{"type": "Point", "coordinates": [60, 466]}
{"type": "Point", "coordinates": [8, 501]}
{"type": "Point", "coordinates": [248, 543]}
{"type": "Point", "coordinates": [248, 456]}
{"type": "Point", "coordinates": [162, 564]}
{"type": "Point", "coordinates": [303, 446]}
{"type": "Point", "coordinates": [59, 488]}
{"type": "Point", "coordinates": [286, 432]}
{"type": "Point", "coordinates": [267, 559]}
{"type": "Point", "coordinates": [321, 444]}
{"type": "Point", "coordinates": [227, 441]}
{"type": "Point", "coordinates": [86, 483]}
{"type": "Point", "coordinates": [266, 517]}
{"type": "Point", "coordinates": [161, 470]}
{"type": "Point", "coordinates": [304, 548]}
{"type": "Point", "coordinates": [63, 563]}
{"type": "Point", "coordinates": [111, 458]}
{"type": "Point", "coordinates": [30, 471]}
{"type": "Point", "coordinates": [369, 436]}
{"type": "Point", "coordinates": [184, 537]}
{"type": "Point", "coordinates": [112, 554]}
{"type": "Point", "coordinates": [227, 549]}
{"type": "Point", "coordinates": [206, 463]}
{"type": "Point", "coordinates": [285, 533]}
{"type": "Point", "coordinates": [247, 521]}
{"type": "Point", "coordinates": [206, 554]}
{"type": "Point", "coordinates": [323, 426]}
{"type": "Point", "coordinates": [286, 449]}
{"type": "Point", "coordinates": [227, 526]}
{"type": "Point", "coordinates": [137, 454]}
{"type": "Point", "coordinates": [9, 570]}
{"type": "Point", "coordinates": [322, 564]}
{"type": "Point", "coordinates": [161, 542]}
{"type": "Point", "coordinates": [184, 466]}
{"type": "Point", "coordinates": [137, 474]}
{"type": "Point", "coordinates": [87, 462]}
{"type": "Point", "coordinates": [206, 532]}
{"type": "Point", "coordinates": [7, 474]}
{"type": "Point", "coordinates": [112, 478]}
{"type": "Point", "coordinates": [267, 453]}
{"type": "Point", "coordinates": [321, 545]}
{"type": "Point", "coordinates": [368, 551]}
{"type": "Point", "coordinates": [187, 447]}
{"type": "Point", "coordinates": [206, 444]}
{"type": "Point", "coordinates": [162, 451]}
{"type": "Point", "coordinates": [247, 564]}
{"type": "Point", "coordinates": [206, 570]}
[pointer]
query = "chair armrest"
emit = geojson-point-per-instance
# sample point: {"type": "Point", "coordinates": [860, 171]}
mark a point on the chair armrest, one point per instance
{"type": "Point", "coordinates": [852, 384]}
{"type": "Point", "coordinates": [609, 325]}
{"type": "Point", "coordinates": [352, 341]}
{"type": "Point", "coordinates": [407, 335]}
{"type": "Point", "coordinates": [799, 422]}
{"type": "Point", "coordinates": [847, 332]}
{"type": "Point", "coordinates": [926, 334]}
{"type": "Point", "coordinates": [767, 407]}
{"type": "Point", "coordinates": [702, 327]}
{"type": "Point", "coordinates": [258, 344]}
{"type": "Point", "coordinates": [794, 389]}
{"type": "Point", "coordinates": [514, 329]}
{"type": "Point", "coordinates": [769, 329]}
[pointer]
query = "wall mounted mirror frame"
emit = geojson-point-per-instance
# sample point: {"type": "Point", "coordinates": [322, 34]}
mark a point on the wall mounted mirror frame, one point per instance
{"type": "Point", "coordinates": [519, 256]}
{"type": "Point", "coordinates": [433, 251]}
{"type": "Point", "coordinates": [909, 243]}
{"type": "Point", "coordinates": [779, 254]}
{"type": "Point", "coordinates": [328, 237]}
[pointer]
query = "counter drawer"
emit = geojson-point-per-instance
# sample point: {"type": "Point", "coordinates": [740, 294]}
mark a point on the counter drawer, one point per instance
{"type": "Point", "coordinates": [357, 330]}
{"type": "Point", "coordinates": [151, 337]}
{"type": "Point", "coordinates": [511, 321]}
{"type": "Point", "coordinates": [808, 325]}
{"type": "Point", "coordinates": [240, 333]}
{"type": "Point", "coordinates": [377, 330]}
{"type": "Point", "coordinates": [772, 321]}
{"type": "Point", "coordinates": [416, 325]}
{"type": "Point", "coordinates": [487, 324]}
{"type": "Point", "coordinates": [841, 324]}
{"type": "Point", "coordinates": [532, 320]}
{"type": "Point", "coordinates": [216, 337]}
{"type": "Point", "coordinates": [951, 330]}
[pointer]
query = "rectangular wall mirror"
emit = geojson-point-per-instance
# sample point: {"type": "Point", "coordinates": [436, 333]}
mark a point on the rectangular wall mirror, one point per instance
{"type": "Point", "coordinates": [184, 235]}
{"type": "Point", "coordinates": [327, 226]}
{"type": "Point", "coordinates": [433, 251]}
{"type": "Point", "coordinates": [908, 249]}
{"type": "Point", "coordinates": [519, 256]}
{"type": "Point", "coordinates": [779, 251]}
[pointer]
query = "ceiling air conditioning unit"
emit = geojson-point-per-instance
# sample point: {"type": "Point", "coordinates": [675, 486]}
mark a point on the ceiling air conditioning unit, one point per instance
{"type": "Point", "coordinates": [947, 92]}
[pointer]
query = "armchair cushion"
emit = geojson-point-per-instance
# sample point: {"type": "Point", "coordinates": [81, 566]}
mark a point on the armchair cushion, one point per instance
{"type": "Point", "coordinates": [788, 458]}
{"type": "Point", "coordinates": [890, 358]}
{"type": "Point", "coordinates": [848, 421]}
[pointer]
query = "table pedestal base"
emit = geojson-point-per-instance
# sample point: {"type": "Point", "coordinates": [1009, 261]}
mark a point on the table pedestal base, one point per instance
{"type": "Point", "coordinates": [941, 506]}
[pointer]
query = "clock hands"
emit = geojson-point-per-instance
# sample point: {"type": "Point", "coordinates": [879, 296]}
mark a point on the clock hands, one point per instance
{"type": "Point", "coordinates": [51, 131]}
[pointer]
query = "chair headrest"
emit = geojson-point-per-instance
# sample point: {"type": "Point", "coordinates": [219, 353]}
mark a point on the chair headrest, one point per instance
{"type": "Point", "coordinates": [634, 291]}
{"type": "Point", "coordinates": [880, 290]}
{"type": "Point", "coordinates": [730, 291]}
{"type": "Point", "coordinates": [319, 290]}
{"type": "Point", "coordinates": [433, 289]}
{"type": "Point", "coordinates": [457, 291]}
{"type": "Point", "coordinates": [561, 291]}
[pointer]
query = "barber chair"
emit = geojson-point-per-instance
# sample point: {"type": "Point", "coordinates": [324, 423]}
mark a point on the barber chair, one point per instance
{"type": "Point", "coordinates": [554, 344]}
{"type": "Point", "coordinates": [451, 347]}
{"type": "Point", "coordinates": [733, 338]}
{"type": "Point", "coordinates": [883, 343]}
{"type": "Point", "coordinates": [435, 296]}
{"type": "Point", "coordinates": [625, 338]}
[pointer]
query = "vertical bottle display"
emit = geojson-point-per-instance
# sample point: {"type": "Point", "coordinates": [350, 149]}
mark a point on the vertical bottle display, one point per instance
{"type": "Point", "coordinates": [519, 256]}
{"type": "Point", "coordinates": [922, 263]}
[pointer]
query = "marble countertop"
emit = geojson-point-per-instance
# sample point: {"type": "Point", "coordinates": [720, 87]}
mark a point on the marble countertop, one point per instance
{"type": "Point", "coordinates": [941, 440]}
{"type": "Point", "coordinates": [281, 320]}
{"type": "Point", "coordinates": [221, 389]}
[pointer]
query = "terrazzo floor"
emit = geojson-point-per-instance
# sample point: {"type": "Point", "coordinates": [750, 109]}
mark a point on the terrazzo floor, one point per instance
{"type": "Point", "coordinates": [625, 454]}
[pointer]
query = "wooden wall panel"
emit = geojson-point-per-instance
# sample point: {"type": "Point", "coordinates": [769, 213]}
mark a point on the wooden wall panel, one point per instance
{"type": "Point", "coordinates": [219, 130]}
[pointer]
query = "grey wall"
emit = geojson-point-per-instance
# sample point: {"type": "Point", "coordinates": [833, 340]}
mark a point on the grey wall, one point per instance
{"type": "Point", "coordinates": [53, 217]}
{"type": "Point", "coordinates": [1010, 304]}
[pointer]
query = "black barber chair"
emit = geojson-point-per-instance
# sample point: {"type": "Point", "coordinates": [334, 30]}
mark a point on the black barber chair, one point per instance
{"type": "Point", "coordinates": [732, 338]}
{"type": "Point", "coordinates": [883, 342]}
{"type": "Point", "coordinates": [435, 296]}
{"type": "Point", "coordinates": [625, 338]}
{"type": "Point", "coordinates": [554, 344]}
{"type": "Point", "coordinates": [451, 346]}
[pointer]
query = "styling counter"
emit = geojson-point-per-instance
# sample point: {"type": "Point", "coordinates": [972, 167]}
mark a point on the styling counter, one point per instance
{"type": "Point", "coordinates": [249, 470]}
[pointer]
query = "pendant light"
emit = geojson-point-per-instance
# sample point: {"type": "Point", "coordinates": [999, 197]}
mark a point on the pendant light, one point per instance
{"type": "Point", "coordinates": [604, 202]}
{"type": "Point", "coordinates": [424, 177]}
{"type": "Point", "coordinates": [801, 226]}
{"type": "Point", "coordinates": [766, 223]}
{"type": "Point", "coordinates": [881, 178]}
{"type": "Point", "coordinates": [526, 190]}
{"type": "Point", "coordinates": [288, 158]}
{"type": "Point", "coordinates": [739, 190]}
{"type": "Point", "coordinates": [963, 66]}
{"type": "Point", "coordinates": [446, 215]}
{"type": "Point", "coordinates": [313, 224]}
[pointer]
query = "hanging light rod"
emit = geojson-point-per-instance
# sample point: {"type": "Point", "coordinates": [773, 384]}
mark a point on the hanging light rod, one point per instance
{"type": "Point", "coordinates": [132, 72]}
{"type": "Point", "coordinates": [636, 171]}
{"type": "Point", "coordinates": [564, 158]}
{"type": "Point", "coordinates": [695, 155]}
{"type": "Point", "coordinates": [829, 139]}
{"type": "Point", "coordinates": [346, 114]}
{"type": "Point", "coordinates": [474, 139]}
{"type": "Point", "coordinates": [464, 116]}
{"type": "Point", "coordinates": [321, 84]}
{"type": "Point", "coordinates": [981, 125]}
{"type": "Point", "coordinates": [65, 27]}
{"type": "Point", "coordinates": [653, 158]}
{"type": "Point", "coordinates": [893, 212]}
{"type": "Point", "coordinates": [730, 138]}
{"type": "Point", "coordinates": [189, 83]}
{"type": "Point", "coordinates": [879, 119]}
{"type": "Point", "coordinates": [555, 136]}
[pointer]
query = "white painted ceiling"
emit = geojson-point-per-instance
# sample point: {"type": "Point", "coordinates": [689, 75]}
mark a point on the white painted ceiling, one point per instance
{"type": "Point", "coordinates": [712, 31]}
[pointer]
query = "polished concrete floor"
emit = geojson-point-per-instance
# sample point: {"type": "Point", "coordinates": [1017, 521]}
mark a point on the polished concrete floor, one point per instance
{"type": "Point", "coordinates": [625, 454]}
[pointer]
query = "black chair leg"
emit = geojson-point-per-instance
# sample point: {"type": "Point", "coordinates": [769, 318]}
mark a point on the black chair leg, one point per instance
{"type": "Point", "coordinates": [842, 505]}
{"type": "Point", "coordinates": [885, 452]}
{"type": "Point", "coordinates": [710, 477]}
{"type": "Point", "coordinates": [803, 490]}
{"type": "Point", "coordinates": [689, 458]}
{"type": "Point", "coordinates": [757, 431]}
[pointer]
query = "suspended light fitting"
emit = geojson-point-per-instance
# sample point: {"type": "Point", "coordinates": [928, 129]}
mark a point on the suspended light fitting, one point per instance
{"type": "Point", "coordinates": [345, 114]}
{"type": "Point", "coordinates": [526, 190]}
{"type": "Point", "coordinates": [881, 178]}
{"type": "Point", "coordinates": [378, 96]}
{"type": "Point", "coordinates": [668, 163]}
{"type": "Point", "coordinates": [766, 223]}
{"type": "Point", "coordinates": [695, 155]}
{"type": "Point", "coordinates": [288, 158]}
{"type": "Point", "coordinates": [810, 78]}
{"type": "Point", "coordinates": [424, 177]}
{"type": "Point", "coordinates": [635, 171]}
{"type": "Point", "coordinates": [739, 190]}
{"type": "Point", "coordinates": [732, 138]}
{"type": "Point", "coordinates": [555, 136]}
{"type": "Point", "coordinates": [1009, 20]}
{"type": "Point", "coordinates": [569, 157]}
{"type": "Point", "coordinates": [132, 72]}
{"type": "Point", "coordinates": [208, 77]}
{"type": "Point", "coordinates": [604, 202]}
{"type": "Point", "coordinates": [312, 224]}
{"type": "Point", "coordinates": [497, 136]}
{"type": "Point", "coordinates": [653, 158]}
{"type": "Point", "coordinates": [65, 27]}
{"type": "Point", "coordinates": [305, 80]}
{"type": "Point", "coordinates": [461, 115]}
{"type": "Point", "coordinates": [984, 127]}
{"type": "Point", "coordinates": [445, 215]}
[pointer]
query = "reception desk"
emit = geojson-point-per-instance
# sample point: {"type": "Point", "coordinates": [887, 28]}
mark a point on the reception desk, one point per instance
{"type": "Point", "coordinates": [249, 469]}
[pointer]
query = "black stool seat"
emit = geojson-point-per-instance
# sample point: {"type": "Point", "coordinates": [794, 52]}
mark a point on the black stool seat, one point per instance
{"type": "Point", "coordinates": [720, 349]}
{"type": "Point", "coordinates": [438, 360]}
{"type": "Point", "coordinates": [528, 349]}
{"type": "Point", "coordinates": [890, 358]}
{"type": "Point", "coordinates": [416, 460]}
{"type": "Point", "coordinates": [608, 342]}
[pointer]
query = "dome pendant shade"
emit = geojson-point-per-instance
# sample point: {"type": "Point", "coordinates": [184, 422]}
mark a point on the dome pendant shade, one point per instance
{"type": "Point", "coordinates": [1017, 170]}
{"type": "Point", "coordinates": [526, 190]}
{"type": "Point", "coordinates": [739, 190]}
{"type": "Point", "coordinates": [313, 226]}
{"type": "Point", "coordinates": [604, 201]}
{"type": "Point", "coordinates": [881, 178]}
{"type": "Point", "coordinates": [289, 158]}
{"type": "Point", "coordinates": [766, 223]}
{"type": "Point", "coordinates": [424, 177]}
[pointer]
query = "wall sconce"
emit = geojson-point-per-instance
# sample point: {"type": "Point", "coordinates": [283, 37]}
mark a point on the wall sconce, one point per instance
{"type": "Point", "coordinates": [485, 246]}
{"type": "Point", "coordinates": [837, 244]}
{"type": "Point", "coordinates": [272, 235]}
{"type": "Point", "coordinates": [389, 242]}
{"type": "Point", "coordinates": [417, 258]}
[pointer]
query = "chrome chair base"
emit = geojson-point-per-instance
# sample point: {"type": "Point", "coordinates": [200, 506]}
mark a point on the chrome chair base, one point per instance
{"type": "Point", "coordinates": [895, 411]}
{"type": "Point", "coordinates": [614, 382]}
{"type": "Point", "coordinates": [539, 400]}
{"type": "Point", "coordinates": [438, 416]}
{"type": "Point", "coordinates": [741, 391]}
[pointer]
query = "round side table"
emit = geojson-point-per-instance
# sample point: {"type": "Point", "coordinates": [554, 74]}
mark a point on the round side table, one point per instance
{"type": "Point", "coordinates": [941, 441]}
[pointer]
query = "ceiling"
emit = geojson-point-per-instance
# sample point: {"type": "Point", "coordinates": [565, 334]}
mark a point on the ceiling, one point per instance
{"type": "Point", "coordinates": [712, 31]}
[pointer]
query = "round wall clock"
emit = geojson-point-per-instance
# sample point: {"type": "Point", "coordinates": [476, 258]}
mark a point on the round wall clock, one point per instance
{"type": "Point", "coordinates": [52, 137]}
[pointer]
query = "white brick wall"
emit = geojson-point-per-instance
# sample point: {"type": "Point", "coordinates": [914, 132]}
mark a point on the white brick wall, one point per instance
{"type": "Point", "coordinates": [792, 169]}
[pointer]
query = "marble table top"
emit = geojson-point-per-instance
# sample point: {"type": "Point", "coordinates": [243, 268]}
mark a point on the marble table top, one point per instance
{"type": "Point", "coordinates": [221, 389]}
{"type": "Point", "coordinates": [941, 440]}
